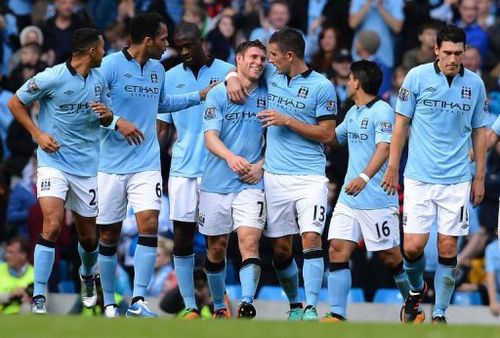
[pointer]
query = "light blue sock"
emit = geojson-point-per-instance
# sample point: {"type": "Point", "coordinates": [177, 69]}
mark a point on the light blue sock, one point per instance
{"type": "Point", "coordinates": [144, 264]}
{"type": "Point", "coordinates": [249, 278]}
{"type": "Point", "coordinates": [401, 280]}
{"type": "Point", "coordinates": [339, 284]}
{"type": "Point", "coordinates": [217, 284]}
{"type": "Point", "coordinates": [108, 263]}
{"type": "Point", "coordinates": [44, 261]}
{"type": "Point", "coordinates": [289, 280]}
{"type": "Point", "coordinates": [184, 266]}
{"type": "Point", "coordinates": [88, 260]}
{"type": "Point", "coordinates": [415, 272]}
{"type": "Point", "coordinates": [444, 285]}
{"type": "Point", "coordinates": [312, 273]}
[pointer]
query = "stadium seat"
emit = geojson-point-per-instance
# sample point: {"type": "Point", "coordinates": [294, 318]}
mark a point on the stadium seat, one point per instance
{"type": "Point", "coordinates": [356, 295]}
{"type": "Point", "coordinates": [275, 293]}
{"type": "Point", "coordinates": [388, 296]}
{"type": "Point", "coordinates": [466, 298]}
{"type": "Point", "coordinates": [234, 292]}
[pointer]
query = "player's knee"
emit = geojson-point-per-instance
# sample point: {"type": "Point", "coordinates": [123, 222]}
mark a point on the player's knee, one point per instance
{"type": "Point", "coordinates": [249, 247]}
{"type": "Point", "coordinates": [51, 232]}
{"type": "Point", "coordinates": [413, 250]}
{"type": "Point", "coordinates": [148, 225]}
{"type": "Point", "coordinates": [311, 240]}
{"type": "Point", "coordinates": [88, 242]}
{"type": "Point", "coordinates": [217, 249]}
{"type": "Point", "coordinates": [336, 253]}
{"type": "Point", "coordinates": [109, 235]}
{"type": "Point", "coordinates": [282, 253]}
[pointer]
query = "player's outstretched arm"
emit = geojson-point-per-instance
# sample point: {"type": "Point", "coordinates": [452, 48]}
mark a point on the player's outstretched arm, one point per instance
{"type": "Point", "coordinates": [390, 181]}
{"type": "Point", "coordinates": [380, 155]}
{"type": "Point", "coordinates": [479, 145]}
{"type": "Point", "coordinates": [132, 134]}
{"type": "Point", "coordinates": [237, 163]}
{"type": "Point", "coordinates": [46, 142]}
{"type": "Point", "coordinates": [323, 132]}
{"type": "Point", "coordinates": [491, 285]}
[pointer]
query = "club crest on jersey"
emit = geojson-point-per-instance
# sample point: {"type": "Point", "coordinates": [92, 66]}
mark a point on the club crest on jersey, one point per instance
{"type": "Point", "coordinates": [97, 90]}
{"type": "Point", "coordinates": [331, 106]}
{"type": "Point", "coordinates": [403, 94]}
{"type": "Point", "coordinates": [364, 123]}
{"type": "Point", "coordinates": [154, 77]}
{"type": "Point", "coordinates": [214, 80]}
{"type": "Point", "coordinates": [32, 86]}
{"type": "Point", "coordinates": [466, 93]}
{"type": "Point", "coordinates": [209, 113]}
{"type": "Point", "coordinates": [386, 127]}
{"type": "Point", "coordinates": [303, 91]}
{"type": "Point", "coordinates": [261, 102]}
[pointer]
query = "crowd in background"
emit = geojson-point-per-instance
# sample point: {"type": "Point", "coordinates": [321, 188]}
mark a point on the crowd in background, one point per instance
{"type": "Point", "coordinates": [396, 34]}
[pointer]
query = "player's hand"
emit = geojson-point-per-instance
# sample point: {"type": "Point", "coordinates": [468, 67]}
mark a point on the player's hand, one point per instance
{"type": "Point", "coordinates": [131, 133]}
{"type": "Point", "coordinates": [204, 92]}
{"type": "Point", "coordinates": [477, 191]}
{"type": "Point", "coordinates": [494, 308]}
{"type": "Point", "coordinates": [271, 117]}
{"type": "Point", "coordinates": [254, 175]}
{"type": "Point", "coordinates": [355, 186]}
{"type": "Point", "coordinates": [47, 142]}
{"type": "Point", "coordinates": [104, 114]}
{"type": "Point", "coordinates": [235, 90]}
{"type": "Point", "coordinates": [238, 164]}
{"type": "Point", "coordinates": [390, 181]}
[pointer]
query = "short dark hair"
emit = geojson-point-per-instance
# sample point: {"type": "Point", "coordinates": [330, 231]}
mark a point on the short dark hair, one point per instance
{"type": "Point", "coordinates": [145, 25]}
{"type": "Point", "coordinates": [24, 244]}
{"type": "Point", "coordinates": [368, 74]}
{"type": "Point", "coordinates": [84, 38]}
{"type": "Point", "coordinates": [242, 47]}
{"type": "Point", "coordinates": [289, 40]}
{"type": "Point", "coordinates": [451, 34]}
{"type": "Point", "coordinates": [187, 29]}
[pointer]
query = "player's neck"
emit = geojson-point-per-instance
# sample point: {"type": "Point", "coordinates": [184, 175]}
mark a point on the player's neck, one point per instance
{"type": "Point", "coordinates": [297, 68]}
{"type": "Point", "coordinates": [139, 54]}
{"type": "Point", "coordinates": [247, 84]}
{"type": "Point", "coordinates": [363, 98]}
{"type": "Point", "coordinates": [81, 65]}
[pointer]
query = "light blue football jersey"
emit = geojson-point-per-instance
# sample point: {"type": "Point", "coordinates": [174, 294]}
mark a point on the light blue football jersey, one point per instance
{"type": "Point", "coordinates": [64, 97]}
{"type": "Point", "coordinates": [189, 152]}
{"type": "Point", "coordinates": [442, 119]}
{"type": "Point", "coordinates": [240, 130]}
{"type": "Point", "coordinates": [308, 97]}
{"type": "Point", "coordinates": [496, 126]}
{"type": "Point", "coordinates": [362, 129]}
{"type": "Point", "coordinates": [138, 95]}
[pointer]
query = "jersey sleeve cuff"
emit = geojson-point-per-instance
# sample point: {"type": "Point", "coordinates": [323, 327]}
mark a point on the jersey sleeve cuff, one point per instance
{"type": "Point", "coordinates": [325, 117]}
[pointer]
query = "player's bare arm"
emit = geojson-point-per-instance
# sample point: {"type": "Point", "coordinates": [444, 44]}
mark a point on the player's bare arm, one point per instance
{"type": "Point", "coordinates": [46, 142]}
{"type": "Point", "coordinates": [204, 92]}
{"type": "Point", "coordinates": [356, 185]}
{"type": "Point", "coordinates": [479, 145]}
{"type": "Point", "coordinates": [235, 89]}
{"type": "Point", "coordinates": [391, 177]}
{"type": "Point", "coordinates": [237, 163]}
{"type": "Point", "coordinates": [131, 133]}
{"type": "Point", "coordinates": [322, 132]}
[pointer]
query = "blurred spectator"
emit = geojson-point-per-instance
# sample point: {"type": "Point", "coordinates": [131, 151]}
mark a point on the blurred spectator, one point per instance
{"type": "Point", "coordinates": [116, 37]}
{"type": "Point", "coordinates": [328, 46]}
{"type": "Point", "coordinates": [30, 65]}
{"type": "Point", "coordinates": [5, 121]}
{"type": "Point", "coordinates": [341, 63]}
{"type": "Point", "coordinates": [336, 14]}
{"type": "Point", "coordinates": [442, 10]}
{"type": "Point", "coordinates": [472, 60]}
{"type": "Point", "coordinates": [197, 15]}
{"type": "Point", "coordinates": [384, 17]}
{"type": "Point", "coordinates": [277, 18]}
{"type": "Point", "coordinates": [22, 198]}
{"type": "Point", "coordinates": [492, 263]}
{"type": "Point", "coordinates": [16, 278]}
{"type": "Point", "coordinates": [8, 37]}
{"type": "Point", "coordinates": [425, 53]}
{"type": "Point", "coordinates": [485, 17]}
{"type": "Point", "coordinates": [103, 12]}
{"type": "Point", "coordinates": [30, 34]}
{"type": "Point", "coordinates": [249, 15]}
{"type": "Point", "coordinates": [366, 45]}
{"type": "Point", "coordinates": [221, 40]}
{"type": "Point", "coordinates": [164, 276]}
{"type": "Point", "coordinates": [22, 10]}
{"type": "Point", "coordinates": [58, 31]}
{"type": "Point", "coordinates": [398, 76]}
{"type": "Point", "coordinates": [416, 13]}
{"type": "Point", "coordinates": [476, 35]}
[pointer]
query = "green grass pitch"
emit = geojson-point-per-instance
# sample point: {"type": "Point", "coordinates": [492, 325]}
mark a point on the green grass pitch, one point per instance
{"type": "Point", "coordinates": [76, 326]}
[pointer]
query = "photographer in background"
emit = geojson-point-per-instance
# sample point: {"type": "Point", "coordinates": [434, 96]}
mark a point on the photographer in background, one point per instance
{"type": "Point", "coordinates": [16, 278]}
